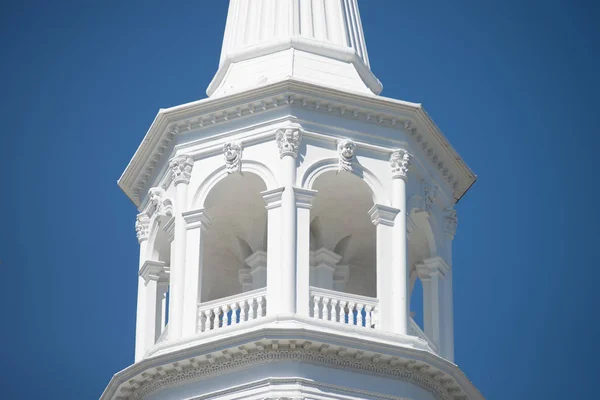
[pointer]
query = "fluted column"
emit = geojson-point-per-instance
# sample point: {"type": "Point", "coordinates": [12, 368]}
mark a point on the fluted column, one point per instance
{"type": "Point", "coordinates": [288, 142]}
{"type": "Point", "coordinates": [304, 200]}
{"type": "Point", "coordinates": [181, 168]}
{"type": "Point", "coordinates": [141, 227]}
{"type": "Point", "coordinates": [383, 218]}
{"type": "Point", "coordinates": [196, 221]}
{"type": "Point", "coordinates": [400, 162]}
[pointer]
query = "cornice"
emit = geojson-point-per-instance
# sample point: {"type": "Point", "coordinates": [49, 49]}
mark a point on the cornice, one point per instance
{"type": "Point", "coordinates": [404, 116]}
{"type": "Point", "coordinates": [295, 338]}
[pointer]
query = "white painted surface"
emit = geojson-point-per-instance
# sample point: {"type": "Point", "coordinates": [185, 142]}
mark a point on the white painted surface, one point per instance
{"type": "Point", "coordinates": [290, 227]}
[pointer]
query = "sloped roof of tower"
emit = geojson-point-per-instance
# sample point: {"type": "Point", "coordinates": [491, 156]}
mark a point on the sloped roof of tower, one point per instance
{"type": "Point", "coordinates": [316, 41]}
{"type": "Point", "coordinates": [423, 135]}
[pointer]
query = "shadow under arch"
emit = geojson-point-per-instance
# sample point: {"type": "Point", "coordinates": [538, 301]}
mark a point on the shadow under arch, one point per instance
{"type": "Point", "coordinates": [342, 231]}
{"type": "Point", "coordinates": [237, 236]}
{"type": "Point", "coordinates": [321, 167]}
{"type": "Point", "coordinates": [250, 166]}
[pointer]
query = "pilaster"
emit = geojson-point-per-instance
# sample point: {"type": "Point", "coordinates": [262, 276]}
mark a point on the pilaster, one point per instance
{"type": "Point", "coordinates": [432, 272]}
{"type": "Point", "coordinates": [304, 199]}
{"type": "Point", "coordinates": [275, 284]}
{"type": "Point", "coordinates": [383, 218]}
{"type": "Point", "coordinates": [196, 221]}
{"type": "Point", "coordinates": [400, 163]}
{"type": "Point", "coordinates": [181, 170]}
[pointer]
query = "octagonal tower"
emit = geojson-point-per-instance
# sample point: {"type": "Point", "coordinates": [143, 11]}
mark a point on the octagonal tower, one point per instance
{"type": "Point", "coordinates": [284, 221]}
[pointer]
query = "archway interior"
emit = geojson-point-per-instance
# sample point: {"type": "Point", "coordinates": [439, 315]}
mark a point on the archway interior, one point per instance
{"type": "Point", "coordinates": [418, 250]}
{"type": "Point", "coordinates": [161, 251]}
{"type": "Point", "coordinates": [340, 223]}
{"type": "Point", "coordinates": [238, 230]}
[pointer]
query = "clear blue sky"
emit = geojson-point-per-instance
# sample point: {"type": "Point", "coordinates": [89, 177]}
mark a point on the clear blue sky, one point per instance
{"type": "Point", "coordinates": [513, 84]}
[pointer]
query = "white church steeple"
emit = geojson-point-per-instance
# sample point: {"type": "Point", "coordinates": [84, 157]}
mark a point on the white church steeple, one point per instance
{"type": "Point", "coordinates": [319, 41]}
{"type": "Point", "coordinates": [284, 222]}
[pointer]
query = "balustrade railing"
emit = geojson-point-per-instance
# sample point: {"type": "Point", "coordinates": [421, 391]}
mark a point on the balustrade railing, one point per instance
{"type": "Point", "coordinates": [344, 308]}
{"type": "Point", "coordinates": [232, 310]}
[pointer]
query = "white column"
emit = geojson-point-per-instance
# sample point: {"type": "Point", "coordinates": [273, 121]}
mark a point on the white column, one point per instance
{"type": "Point", "coordinates": [196, 221]}
{"type": "Point", "coordinates": [432, 272]}
{"type": "Point", "coordinates": [288, 141]}
{"type": "Point", "coordinates": [383, 217]}
{"type": "Point", "coordinates": [274, 283]}
{"type": "Point", "coordinates": [141, 227]}
{"type": "Point", "coordinates": [325, 263]}
{"type": "Point", "coordinates": [400, 163]}
{"type": "Point", "coordinates": [181, 168]}
{"type": "Point", "coordinates": [451, 222]}
{"type": "Point", "coordinates": [304, 200]}
{"type": "Point", "coordinates": [153, 274]}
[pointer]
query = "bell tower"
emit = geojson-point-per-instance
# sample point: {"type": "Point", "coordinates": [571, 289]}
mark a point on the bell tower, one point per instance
{"type": "Point", "coordinates": [284, 221]}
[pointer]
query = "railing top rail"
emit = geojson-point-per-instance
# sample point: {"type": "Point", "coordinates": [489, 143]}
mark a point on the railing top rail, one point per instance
{"type": "Point", "coordinates": [231, 299]}
{"type": "Point", "coordinates": [344, 296]}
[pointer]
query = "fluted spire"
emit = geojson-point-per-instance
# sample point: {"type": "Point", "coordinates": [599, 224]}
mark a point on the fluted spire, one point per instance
{"type": "Point", "coordinates": [320, 41]}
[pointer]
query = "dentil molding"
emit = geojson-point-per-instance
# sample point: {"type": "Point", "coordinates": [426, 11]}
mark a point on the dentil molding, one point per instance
{"type": "Point", "coordinates": [437, 382]}
{"type": "Point", "coordinates": [395, 114]}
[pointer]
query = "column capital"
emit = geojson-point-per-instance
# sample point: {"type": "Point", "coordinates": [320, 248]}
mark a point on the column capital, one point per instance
{"type": "Point", "coordinates": [197, 219]}
{"type": "Point", "coordinates": [384, 215]}
{"type": "Point", "coordinates": [304, 197]}
{"type": "Point", "coordinates": [288, 141]}
{"type": "Point", "coordinates": [400, 162]}
{"type": "Point", "coordinates": [154, 271]}
{"type": "Point", "coordinates": [450, 222]}
{"type": "Point", "coordinates": [431, 267]}
{"type": "Point", "coordinates": [181, 168]}
{"type": "Point", "coordinates": [273, 197]}
{"type": "Point", "coordinates": [142, 227]}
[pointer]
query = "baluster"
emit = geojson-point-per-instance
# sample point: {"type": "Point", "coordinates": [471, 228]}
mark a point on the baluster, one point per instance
{"type": "Point", "coordinates": [359, 314]}
{"type": "Point", "coordinates": [216, 320]}
{"type": "Point", "coordinates": [335, 310]}
{"type": "Point", "coordinates": [351, 306]}
{"type": "Point", "coordinates": [326, 309]}
{"type": "Point", "coordinates": [375, 317]}
{"type": "Point", "coordinates": [225, 309]}
{"type": "Point", "coordinates": [234, 309]}
{"type": "Point", "coordinates": [259, 309]}
{"type": "Point", "coordinates": [244, 311]}
{"type": "Point", "coordinates": [265, 305]}
{"type": "Point", "coordinates": [343, 304]}
{"type": "Point", "coordinates": [368, 322]}
{"type": "Point", "coordinates": [202, 321]}
{"type": "Point", "coordinates": [316, 306]}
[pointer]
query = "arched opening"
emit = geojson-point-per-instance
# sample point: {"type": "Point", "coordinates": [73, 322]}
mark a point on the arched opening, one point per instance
{"type": "Point", "coordinates": [159, 250]}
{"type": "Point", "coordinates": [235, 245]}
{"type": "Point", "coordinates": [343, 239]}
{"type": "Point", "coordinates": [419, 249]}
